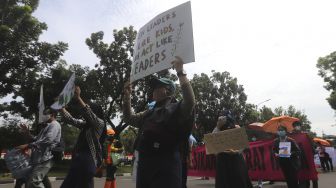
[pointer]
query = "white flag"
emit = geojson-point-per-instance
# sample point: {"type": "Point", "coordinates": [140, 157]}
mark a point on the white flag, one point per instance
{"type": "Point", "coordinates": [41, 106]}
{"type": "Point", "coordinates": [66, 95]}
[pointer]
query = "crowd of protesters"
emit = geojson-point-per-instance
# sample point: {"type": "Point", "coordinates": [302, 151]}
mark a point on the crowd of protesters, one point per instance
{"type": "Point", "coordinates": [163, 145]}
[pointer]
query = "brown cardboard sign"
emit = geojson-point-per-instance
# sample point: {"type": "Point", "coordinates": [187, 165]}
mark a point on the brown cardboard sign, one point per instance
{"type": "Point", "coordinates": [235, 139]}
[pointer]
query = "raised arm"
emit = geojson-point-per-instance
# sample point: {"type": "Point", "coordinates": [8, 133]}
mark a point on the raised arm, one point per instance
{"type": "Point", "coordinates": [71, 120]}
{"type": "Point", "coordinates": [188, 102]}
{"type": "Point", "coordinates": [128, 115]}
{"type": "Point", "coordinates": [89, 116]}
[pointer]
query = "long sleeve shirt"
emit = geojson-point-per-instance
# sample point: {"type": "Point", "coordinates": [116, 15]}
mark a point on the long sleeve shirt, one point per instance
{"type": "Point", "coordinates": [43, 143]}
{"type": "Point", "coordinates": [91, 130]}
{"type": "Point", "coordinates": [187, 106]}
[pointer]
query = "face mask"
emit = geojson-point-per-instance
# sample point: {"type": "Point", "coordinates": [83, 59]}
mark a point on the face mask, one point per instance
{"type": "Point", "coordinates": [45, 118]}
{"type": "Point", "coordinates": [151, 105]}
{"type": "Point", "coordinates": [282, 133]}
{"type": "Point", "coordinates": [254, 139]}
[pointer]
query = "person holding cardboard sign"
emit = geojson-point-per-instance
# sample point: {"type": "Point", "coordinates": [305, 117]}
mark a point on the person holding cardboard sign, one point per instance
{"type": "Point", "coordinates": [87, 154]}
{"type": "Point", "coordinates": [231, 170]}
{"type": "Point", "coordinates": [287, 152]}
{"type": "Point", "coordinates": [162, 129]}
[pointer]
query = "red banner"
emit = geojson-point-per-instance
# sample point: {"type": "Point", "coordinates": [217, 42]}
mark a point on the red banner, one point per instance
{"type": "Point", "coordinates": [260, 161]}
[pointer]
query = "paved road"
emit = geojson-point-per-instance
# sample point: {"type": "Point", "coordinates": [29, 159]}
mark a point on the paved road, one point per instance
{"type": "Point", "coordinates": [326, 180]}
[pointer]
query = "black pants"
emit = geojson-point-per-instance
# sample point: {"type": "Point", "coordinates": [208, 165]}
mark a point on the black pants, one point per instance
{"type": "Point", "coordinates": [324, 163]}
{"type": "Point", "coordinates": [315, 184]}
{"type": "Point", "coordinates": [81, 172]}
{"type": "Point", "coordinates": [184, 173]}
{"type": "Point", "coordinates": [290, 172]}
{"type": "Point", "coordinates": [159, 170]}
{"type": "Point", "coordinates": [110, 172]}
{"type": "Point", "coordinates": [329, 161]}
{"type": "Point", "coordinates": [231, 171]}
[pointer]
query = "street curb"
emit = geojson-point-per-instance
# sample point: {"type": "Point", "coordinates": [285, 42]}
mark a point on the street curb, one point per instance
{"type": "Point", "coordinates": [124, 174]}
{"type": "Point", "coordinates": [52, 179]}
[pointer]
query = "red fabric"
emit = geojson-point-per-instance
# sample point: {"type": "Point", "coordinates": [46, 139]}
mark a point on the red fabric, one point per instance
{"type": "Point", "coordinates": [259, 160]}
{"type": "Point", "coordinates": [109, 158]}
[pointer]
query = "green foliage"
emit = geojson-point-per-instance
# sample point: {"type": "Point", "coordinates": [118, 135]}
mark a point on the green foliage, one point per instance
{"type": "Point", "coordinates": [23, 58]}
{"type": "Point", "coordinates": [293, 112]}
{"type": "Point", "coordinates": [327, 70]}
{"type": "Point", "coordinates": [10, 135]}
{"type": "Point", "coordinates": [127, 138]}
{"type": "Point", "coordinates": [266, 113]}
{"type": "Point", "coordinates": [69, 134]}
{"type": "Point", "coordinates": [107, 80]}
{"type": "Point", "coordinates": [216, 93]}
{"type": "Point", "coordinates": [113, 69]}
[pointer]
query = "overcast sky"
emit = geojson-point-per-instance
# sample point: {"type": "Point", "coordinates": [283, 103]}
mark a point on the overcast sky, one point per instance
{"type": "Point", "coordinates": [271, 46]}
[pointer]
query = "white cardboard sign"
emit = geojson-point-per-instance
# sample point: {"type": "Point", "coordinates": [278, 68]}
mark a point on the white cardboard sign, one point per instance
{"type": "Point", "coordinates": [66, 95]}
{"type": "Point", "coordinates": [284, 149]}
{"type": "Point", "coordinates": [157, 43]}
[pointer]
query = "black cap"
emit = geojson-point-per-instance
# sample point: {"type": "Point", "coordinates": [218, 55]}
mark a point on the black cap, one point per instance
{"type": "Point", "coordinates": [167, 83]}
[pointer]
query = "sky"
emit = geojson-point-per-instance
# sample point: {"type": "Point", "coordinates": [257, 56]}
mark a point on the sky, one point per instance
{"type": "Point", "coordinates": [270, 46]}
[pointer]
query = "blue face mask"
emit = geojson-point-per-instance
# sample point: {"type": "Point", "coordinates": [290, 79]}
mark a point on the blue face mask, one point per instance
{"type": "Point", "coordinates": [282, 133]}
{"type": "Point", "coordinates": [151, 105]}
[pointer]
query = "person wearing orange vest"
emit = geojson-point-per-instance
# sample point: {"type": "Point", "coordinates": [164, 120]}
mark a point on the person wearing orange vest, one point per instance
{"type": "Point", "coordinates": [112, 145]}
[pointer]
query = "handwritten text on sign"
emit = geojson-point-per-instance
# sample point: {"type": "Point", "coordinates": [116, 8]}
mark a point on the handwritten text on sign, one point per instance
{"type": "Point", "coordinates": [160, 40]}
{"type": "Point", "coordinates": [235, 139]}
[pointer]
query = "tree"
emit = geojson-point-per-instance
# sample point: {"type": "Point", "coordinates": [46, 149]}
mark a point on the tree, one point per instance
{"type": "Point", "coordinates": [327, 70]}
{"type": "Point", "coordinates": [293, 112]}
{"type": "Point", "coordinates": [266, 114]}
{"type": "Point", "coordinates": [112, 72]}
{"type": "Point", "coordinates": [23, 58]}
{"type": "Point", "coordinates": [10, 134]}
{"type": "Point", "coordinates": [216, 93]}
{"type": "Point", "coordinates": [21, 52]}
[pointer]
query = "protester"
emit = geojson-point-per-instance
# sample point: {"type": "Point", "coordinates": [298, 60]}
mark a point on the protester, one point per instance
{"type": "Point", "coordinates": [297, 125]}
{"type": "Point", "coordinates": [231, 169]}
{"type": "Point", "coordinates": [329, 161]}
{"type": "Point", "coordinates": [323, 157]}
{"type": "Point", "coordinates": [260, 181]}
{"type": "Point", "coordinates": [112, 146]}
{"type": "Point", "coordinates": [162, 129]}
{"type": "Point", "coordinates": [30, 138]}
{"type": "Point", "coordinates": [87, 154]}
{"type": "Point", "coordinates": [289, 165]}
{"type": "Point", "coordinates": [41, 155]}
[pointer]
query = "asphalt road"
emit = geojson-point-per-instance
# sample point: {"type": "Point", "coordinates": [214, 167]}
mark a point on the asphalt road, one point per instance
{"type": "Point", "coordinates": [326, 180]}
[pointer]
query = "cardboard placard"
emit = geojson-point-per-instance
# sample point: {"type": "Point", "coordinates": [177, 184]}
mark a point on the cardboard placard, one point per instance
{"type": "Point", "coordinates": [157, 43]}
{"type": "Point", "coordinates": [235, 139]}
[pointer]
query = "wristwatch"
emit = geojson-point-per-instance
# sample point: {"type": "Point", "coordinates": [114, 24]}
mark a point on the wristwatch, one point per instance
{"type": "Point", "coordinates": [181, 73]}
